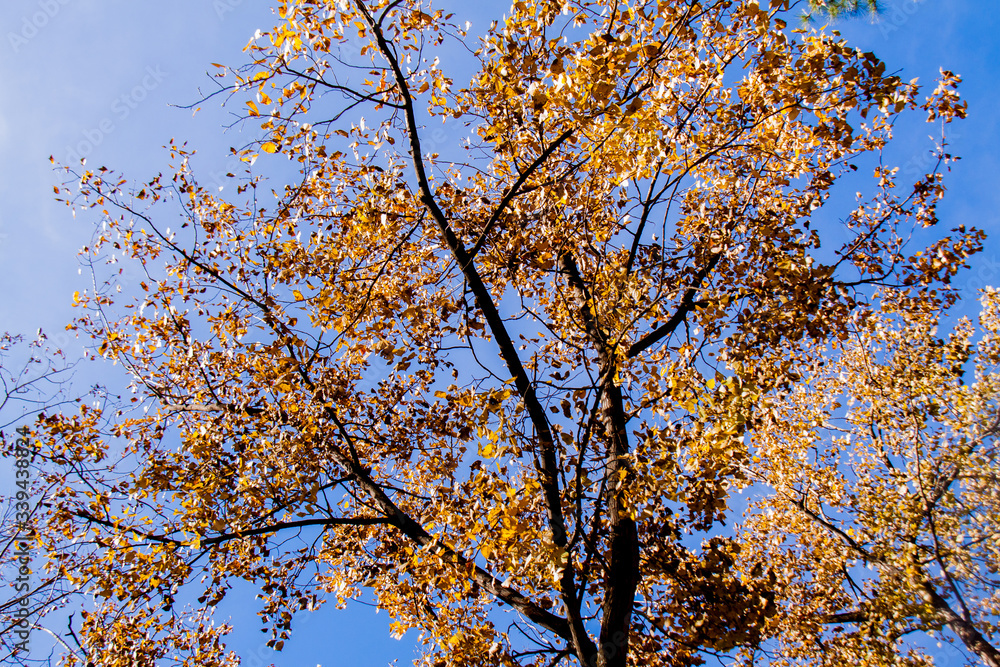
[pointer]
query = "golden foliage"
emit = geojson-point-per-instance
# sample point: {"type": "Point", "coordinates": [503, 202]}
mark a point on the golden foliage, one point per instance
{"type": "Point", "coordinates": [528, 371]}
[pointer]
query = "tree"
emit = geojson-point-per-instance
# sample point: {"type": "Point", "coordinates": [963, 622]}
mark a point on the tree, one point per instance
{"type": "Point", "coordinates": [34, 377]}
{"type": "Point", "coordinates": [584, 312]}
{"type": "Point", "coordinates": [903, 481]}
{"type": "Point", "coordinates": [838, 8]}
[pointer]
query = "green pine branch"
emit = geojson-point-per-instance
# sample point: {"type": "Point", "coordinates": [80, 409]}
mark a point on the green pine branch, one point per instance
{"type": "Point", "coordinates": [836, 9]}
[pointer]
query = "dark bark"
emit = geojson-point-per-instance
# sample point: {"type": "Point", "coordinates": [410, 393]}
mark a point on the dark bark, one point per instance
{"type": "Point", "coordinates": [545, 450]}
{"type": "Point", "coordinates": [942, 611]}
{"type": "Point", "coordinates": [622, 577]}
{"type": "Point", "coordinates": [966, 631]}
{"type": "Point", "coordinates": [688, 304]}
{"type": "Point", "coordinates": [416, 532]}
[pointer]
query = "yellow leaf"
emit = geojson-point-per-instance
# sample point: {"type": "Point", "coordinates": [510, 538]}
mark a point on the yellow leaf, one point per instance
{"type": "Point", "coordinates": [271, 147]}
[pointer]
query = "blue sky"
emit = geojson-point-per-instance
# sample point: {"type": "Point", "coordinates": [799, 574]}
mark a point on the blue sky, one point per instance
{"type": "Point", "coordinates": [96, 78]}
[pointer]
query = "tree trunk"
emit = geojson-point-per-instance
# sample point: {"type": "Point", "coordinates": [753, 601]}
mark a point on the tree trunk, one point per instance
{"type": "Point", "coordinates": [622, 578]}
{"type": "Point", "coordinates": [966, 631]}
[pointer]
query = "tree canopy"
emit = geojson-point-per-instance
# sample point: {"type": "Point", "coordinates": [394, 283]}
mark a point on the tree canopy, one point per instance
{"type": "Point", "coordinates": [838, 8]}
{"type": "Point", "coordinates": [503, 354]}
